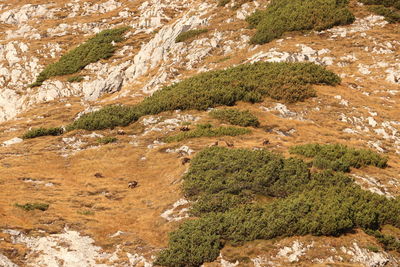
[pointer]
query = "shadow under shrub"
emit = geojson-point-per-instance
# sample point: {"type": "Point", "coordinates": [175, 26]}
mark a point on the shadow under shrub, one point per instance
{"type": "Point", "coordinates": [290, 82]}
{"type": "Point", "coordinates": [223, 184]}
{"type": "Point", "coordinates": [99, 47]}
{"type": "Point", "coordinates": [298, 15]}
{"type": "Point", "coordinates": [235, 117]}
{"type": "Point", "coordinates": [37, 132]}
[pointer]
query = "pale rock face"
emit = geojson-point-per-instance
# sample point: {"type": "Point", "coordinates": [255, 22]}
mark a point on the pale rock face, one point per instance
{"type": "Point", "coordinates": [293, 253]}
{"type": "Point", "coordinates": [12, 141]}
{"type": "Point", "coordinates": [100, 8]}
{"type": "Point", "coordinates": [5, 262]}
{"type": "Point", "coordinates": [93, 90]}
{"type": "Point", "coordinates": [24, 13]}
{"type": "Point", "coordinates": [368, 258]}
{"type": "Point", "coordinates": [305, 54]}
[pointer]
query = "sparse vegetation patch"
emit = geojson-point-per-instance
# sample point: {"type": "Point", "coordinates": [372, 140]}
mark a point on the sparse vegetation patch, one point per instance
{"type": "Point", "coordinates": [37, 132]}
{"type": "Point", "coordinates": [206, 130]}
{"type": "Point", "coordinates": [298, 15]}
{"type": "Point", "coordinates": [33, 206]}
{"type": "Point", "coordinates": [75, 79]}
{"type": "Point", "coordinates": [290, 82]}
{"type": "Point", "coordinates": [99, 47]}
{"type": "Point", "coordinates": [235, 117]}
{"type": "Point", "coordinates": [189, 35]}
{"type": "Point", "coordinates": [107, 140]}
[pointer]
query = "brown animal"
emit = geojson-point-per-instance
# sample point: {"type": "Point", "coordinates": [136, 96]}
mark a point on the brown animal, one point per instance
{"type": "Point", "coordinates": [229, 144]}
{"type": "Point", "coordinates": [98, 175]}
{"type": "Point", "coordinates": [265, 142]}
{"type": "Point", "coordinates": [132, 184]}
{"type": "Point", "coordinates": [121, 132]}
{"type": "Point", "coordinates": [185, 160]}
{"type": "Point", "coordinates": [184, 129]}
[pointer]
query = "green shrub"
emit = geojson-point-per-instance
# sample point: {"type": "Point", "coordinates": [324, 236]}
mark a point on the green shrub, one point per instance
{"type": "Point", "coordinates": [99, 47]}
{"type": "Point", "coordinates": [107, 140]}
{"type": "Point", "coordinates": [207, 131]}
{"type": "Point", "coordinates": [75, 79]}
{"type": "Point", "coordinates": [235, 117]}
{"type": "Point", "coordinates": [183, 36]}
{"type": "Point", "coordinates": [223, 184]}
{"type": "Point", "coordinates": [386, 3]}
{"type": "Point", "coordinates": [107, 117]}
{"type": "Point", "coordinates": [290, 82]}
{"type": "Point", "coordinates": [33, 206]}
{"type": "Point", "coordinates": [389, 242]}
{"type": "Point", "coordinates": [392, 15]}
{"type": "Point", "coordinates": [339, 157]}
{"type": "Point", "coordinates": [298, 15]}
{"type": "Point", "coordinates": [37, 132]}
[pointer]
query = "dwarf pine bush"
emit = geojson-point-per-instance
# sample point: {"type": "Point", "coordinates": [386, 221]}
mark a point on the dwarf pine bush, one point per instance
{"type": "Point", "coordinates": [37, 132]}
{"type": "Point", "coordinates": [223, 184]}
{"type": "Point", "coordinates": [291, 82]}
{"type": "Point", "coordinates": [339, 157]}
{"type": "Point", "coordinates": [298, 15]}
{"type": "Point", "coordinates": [99, 47]}
{"type": "Point", "coordinates": [206, 130]}
{"type": "Point", "coordinates": [235, 117]}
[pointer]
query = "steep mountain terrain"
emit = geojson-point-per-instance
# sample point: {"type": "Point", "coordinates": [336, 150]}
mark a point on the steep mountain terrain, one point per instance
{"type": "Point", "coordinates": [110, 196]}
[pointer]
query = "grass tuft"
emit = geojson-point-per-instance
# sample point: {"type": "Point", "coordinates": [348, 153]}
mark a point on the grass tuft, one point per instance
{"type": "Point", "coordinates": [33, 206]}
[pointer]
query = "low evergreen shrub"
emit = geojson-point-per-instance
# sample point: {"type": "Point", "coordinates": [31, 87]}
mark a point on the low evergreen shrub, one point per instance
{"type": "Point", "coordinates": [223, 184]}
{"type": "Point", "coordinates": [289, 82]}
{"type": "Point", "coordinates": [298, 15]}
{"type": "Point", "coordinates": [206, 130]}
{"type": "Point", "coordinates": [235, 117]}
{"type": "Point", "coordinates": [339, 157]}
{"type": "Point", "coordinates": [99, 47]}
{"type": "Point", "coordinates": [37, 132]}
{"type": "Point", "coordinates": [33, 206]}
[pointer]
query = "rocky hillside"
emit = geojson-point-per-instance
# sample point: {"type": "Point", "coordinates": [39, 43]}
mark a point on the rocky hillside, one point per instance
{"type": "Point", "coordinates": [84, 185]}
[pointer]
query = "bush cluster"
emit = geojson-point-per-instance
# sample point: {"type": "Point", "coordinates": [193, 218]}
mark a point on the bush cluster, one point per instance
{"type": "Point", "coordinates": [37, 132]}
{"type": "Point", "coordinates": [183, 36]}
{"type": "Point", "coordinates": [223, 184]}
{"type": "Point", "coordinates": [235, 117]}
{"type": "Point", "coordinates": [389, 242]}
{"type": "Point", "coordinates": [339, 157]}
{"type": "Point", "coordinates": [392, 15]}
{"type": "Point", "coordinates": [33, 206]}
{"type": "Point", "coordinates": [290, 82]}
{"type": "Point", "coordinates": [206, 130]}
{"type": "Point", "coordinates": [298, 15]}
{"type": "Point", "coordinates": [99, 47]}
